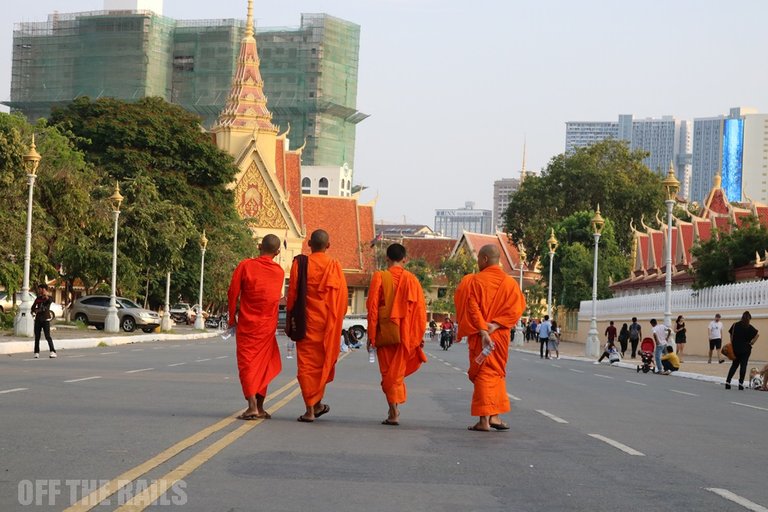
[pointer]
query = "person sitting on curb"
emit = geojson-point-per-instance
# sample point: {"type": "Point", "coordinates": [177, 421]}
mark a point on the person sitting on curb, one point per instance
{"type": "Point", "coordinates": [670, 361]}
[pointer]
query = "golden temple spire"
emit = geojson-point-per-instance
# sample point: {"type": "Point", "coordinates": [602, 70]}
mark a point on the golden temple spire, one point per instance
{"type": "Point", "coordinates": [522, 170]}
{"type": "Point", "coordinates": [249, 20]}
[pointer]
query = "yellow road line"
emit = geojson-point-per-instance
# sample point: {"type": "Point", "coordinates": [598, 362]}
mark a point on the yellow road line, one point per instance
{"type": "Point", "coordinates": [93, 499]}
{"type": "Point", "coordinates": [167, 481]}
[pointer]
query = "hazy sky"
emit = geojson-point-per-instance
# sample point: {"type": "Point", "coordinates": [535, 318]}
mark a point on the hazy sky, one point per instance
{"type": "Point", "coordinates": [453, 87]}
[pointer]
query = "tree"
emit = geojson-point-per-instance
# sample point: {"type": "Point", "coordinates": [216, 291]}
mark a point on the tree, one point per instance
{"type": "Point", "coordinates": [423, 272]}
{"type": "Point", "coordinates": [573, 265]}
{"type": "Point", "coordinates": [719, 257]}
{"type": "Point", "coordinates": [454, 269]}
{"type": "Point", "coordinates": [607, 173]}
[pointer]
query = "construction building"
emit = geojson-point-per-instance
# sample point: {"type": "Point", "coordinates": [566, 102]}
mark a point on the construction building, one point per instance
{"type": "Point", "coordinates": [131, 51]}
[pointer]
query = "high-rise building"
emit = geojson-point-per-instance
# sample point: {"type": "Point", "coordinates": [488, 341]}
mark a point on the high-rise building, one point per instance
{"type": "Point", "coordinates": [502, 189]}
{"type": "Point", "coordinates": [735, 147]}
{"type": "Point", "coordinates": [129, 51]}
{"type": "Point", "coordinates": [666, 140]}
{"type": "Point", "coordinates": [453, 222]}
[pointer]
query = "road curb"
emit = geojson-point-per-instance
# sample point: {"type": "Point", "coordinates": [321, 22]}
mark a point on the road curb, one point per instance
{"type": "Point", "coordinates": [18, 347]}
{"type": "Point", "coordinates": [630, 366]}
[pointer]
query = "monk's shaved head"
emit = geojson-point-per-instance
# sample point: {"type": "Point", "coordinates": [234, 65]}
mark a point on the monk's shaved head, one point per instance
{"type": "Point", "coordinates": [487, 256]}
{"type": "Point", "coordinates": [396, 252]}
{"type": "Point", "coordinates": [269, 246]}
{"type": "Point", "coordinates": [319, 240]}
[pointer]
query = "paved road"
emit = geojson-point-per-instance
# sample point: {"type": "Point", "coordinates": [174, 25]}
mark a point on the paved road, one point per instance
{"type": "Point", "coordinates": [584, 437]}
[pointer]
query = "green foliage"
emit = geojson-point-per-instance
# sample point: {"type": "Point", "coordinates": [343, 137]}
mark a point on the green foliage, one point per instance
{"type": "Point", "coordinates": [607, 173]}
{"type": "Point", "coordinates": [719, 257]}
{"type": "Point", "coordinates": [573, 264]}
{"type": "Point", "coordinates": [534, 298]}
{"type": "Point", "coordinates": [6, 319]}
{"type": "Point", "coordinates": [454, 269]}
{"type": "Point", "coordinates": [422, 270]}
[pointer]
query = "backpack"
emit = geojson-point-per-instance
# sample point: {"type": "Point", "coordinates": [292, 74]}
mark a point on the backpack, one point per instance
{"type": "Point", "coordinates": [634, 332]}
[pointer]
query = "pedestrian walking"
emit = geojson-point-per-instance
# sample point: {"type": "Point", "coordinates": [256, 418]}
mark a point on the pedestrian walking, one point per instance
{"type": "Point", "coordinates": [623, 338]}
{"type": "Point", "coordinates": [680, 336]}
{"type": "Point", "coordinates": [660, 338]}
{"type": "Point", "coordinates": [543, 333]}
{"type": "Point", "coordinates": [610, 333]}
{"type": "Point", "coordinates": [743, 337]}
{"type": "Point", "coordinates": [41, 310]}
{"type": "Point", "coordinates": [553, 343]}
{"type": "Point", "coordinates": [715, 335]}
{"type": "Point", "coordinates": [635, 333]}
{"type": "Point", "coordinates": [254, 298]}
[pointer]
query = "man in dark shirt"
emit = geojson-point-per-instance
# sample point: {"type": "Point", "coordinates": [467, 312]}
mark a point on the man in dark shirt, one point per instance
{"type": "Point", "coordinates": [743, 336]}
{"type": "Point", "coordinates": [41, 309]}
{"type": "Point", "coordinates": [610, 332]}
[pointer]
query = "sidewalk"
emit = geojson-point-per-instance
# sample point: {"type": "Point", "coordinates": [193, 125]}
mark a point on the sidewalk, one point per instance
{"type": "Point", "coordinates": [65, 337]}
{"type": "Point", "coordinates": [693, 367]}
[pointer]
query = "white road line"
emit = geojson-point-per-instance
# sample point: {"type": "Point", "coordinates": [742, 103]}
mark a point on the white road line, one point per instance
{"type": "Point", "coordinates": [446, 363]}
{"type": "Point", "coordinates": [744, 502]}
{"type": "Point", "coordinates": [524, 359]}
{"type": "Point", "coordinates": [174, 346]}
{"type": "Point", "coordinates": [73, 357]}
{"type": "Point", "coordinates": [136, 349]}
{"type": "Point", "coordinates": [551, 416]}
{"type": "Point", "coordinates": [202, 360]}
{"type": "Point", "coordinates": [556, 365]}
{"type": "Point", "coordinates": [221, 357]}
{"type": "Point", "coordinates": [683, 392]}
{"type": "Point", "coordinates": [513, 397]}
{"type": "Point", "coordinates": [636, 383]}
{"type": "Point", "coordinates": [177, 364]}
{"type": "Point", "coordinates": [84, 378]}
{"type": "Point", "coordinates": [602, 376]}
{"type": "Point", "coordinates": [575, 370]}
{"type": "Point", "coordinates": [457, 369]}
{"type": "Point", "coordinates": [141, 370]}
{"type": "Point", "coordinates": [156, 348]}
{"type": "Point", "coordinates": [106, 353]}
{"type": "Point", "coordinates": [616, 444]}
{"type": "Point", "coordinates": [750, 406]}
{"type": "Point", "coordinates": [12, 390]}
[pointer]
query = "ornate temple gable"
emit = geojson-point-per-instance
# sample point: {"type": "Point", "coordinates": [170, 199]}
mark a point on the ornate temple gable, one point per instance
{"type": "Point", "coordinates": [261, 202]}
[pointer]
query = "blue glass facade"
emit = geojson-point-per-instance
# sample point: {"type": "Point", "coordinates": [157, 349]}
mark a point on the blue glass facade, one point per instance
{"type": "Point", "coordinates": [733, 157]}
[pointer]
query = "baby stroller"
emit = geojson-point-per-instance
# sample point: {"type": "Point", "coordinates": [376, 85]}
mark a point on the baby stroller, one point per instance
{"type": "Point", "coordinates": [647, 347]}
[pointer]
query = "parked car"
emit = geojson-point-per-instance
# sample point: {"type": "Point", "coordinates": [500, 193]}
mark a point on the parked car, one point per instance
{"type": "Point", "coordinates": [356, 324]}
{"type": "Point", "coordinates": [92, 310]}
{"type": "Point", "coordinates": [6, 304]}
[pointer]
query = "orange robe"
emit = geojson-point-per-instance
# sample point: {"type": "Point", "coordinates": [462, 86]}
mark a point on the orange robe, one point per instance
{"type": "Point", "coordinates": [409, 312]}
{"type": "Point", "coordinates": [258, 282]}
{"type": "Point", "coordinates": [481, 298]}
{"type": "Point", "coordinates": [316, 354]}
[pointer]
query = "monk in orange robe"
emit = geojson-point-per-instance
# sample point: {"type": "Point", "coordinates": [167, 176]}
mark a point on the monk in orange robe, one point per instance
{"type": "Point", "coordinates": [258, 284]}
{"type": "Point", "coordinates": [326, 305]}
{"type": "Point", "coordinates": [396, 310]}
{"type": "Point", "coordinates": [488, 304]}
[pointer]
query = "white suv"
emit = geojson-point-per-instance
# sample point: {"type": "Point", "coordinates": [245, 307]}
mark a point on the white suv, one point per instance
{"type": "Point", "coordinates": [356, 324]}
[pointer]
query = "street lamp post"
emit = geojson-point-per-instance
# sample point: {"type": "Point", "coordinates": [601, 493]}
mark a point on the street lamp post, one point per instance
{"type": "Point", "coordinates": [111, 323]}
{"type": "Point", "coordinates": [24, 324]}
{"type": "Point", "coordinates": [593, 341]}
{"type": "Point", "coordinates": [199, 320]}
{"type": "Point", "coordinates": [519, 339]}
{"type": "Point", "coordinates": [165, 323]}
{"type": "Point", "coordinates": [552, 245]}
{"type": "Point", "coordinates": [671, 186]}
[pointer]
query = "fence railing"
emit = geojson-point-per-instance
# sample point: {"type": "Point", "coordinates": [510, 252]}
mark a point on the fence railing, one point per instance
{"type": "Point", "coordinates": [717, 298]}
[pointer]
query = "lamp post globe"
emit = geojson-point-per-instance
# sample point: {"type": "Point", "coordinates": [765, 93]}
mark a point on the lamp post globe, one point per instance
{"type": "Point", "coordinates": [671, 187]}
{"type": "Point", "coordinates": [552, 244]}
{"type": "Point", "coordinates": [592, 348]}
{"type": "Point", "coordinates": [519, 338]}
{"type": "Point", "coordinates": [199, 320]}
{"type": "Point", "coordinates": [112, 323]}
{"type": "Point", "coordinates": [24, 324]}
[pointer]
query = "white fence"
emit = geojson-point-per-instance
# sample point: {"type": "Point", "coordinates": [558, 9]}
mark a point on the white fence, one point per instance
{"type": "Point", "coordinates": [736, 296]}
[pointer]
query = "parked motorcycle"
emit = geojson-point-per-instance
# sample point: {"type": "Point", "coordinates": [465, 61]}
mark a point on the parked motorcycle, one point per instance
{"type": "Point", "coordinates": [220, 322]}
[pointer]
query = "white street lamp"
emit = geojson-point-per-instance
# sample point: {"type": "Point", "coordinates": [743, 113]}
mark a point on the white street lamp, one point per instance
{"type": "Point", "coordinates": [199, 320]}
{"type": "Point", "coordinates": [112, 323]}
{"type": "Point", "coordinates": [24, 324]}
{"type": "Point", "coordinates": [552, 245]}
{"type": "Point", "coordinates": [165, 323]}
{"type": "Point", "coordinates": [671, 186]}
{"type": "Point", "coordinates": [592, 348]}
{"type": "Point", "coordinates": [519, 339]}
